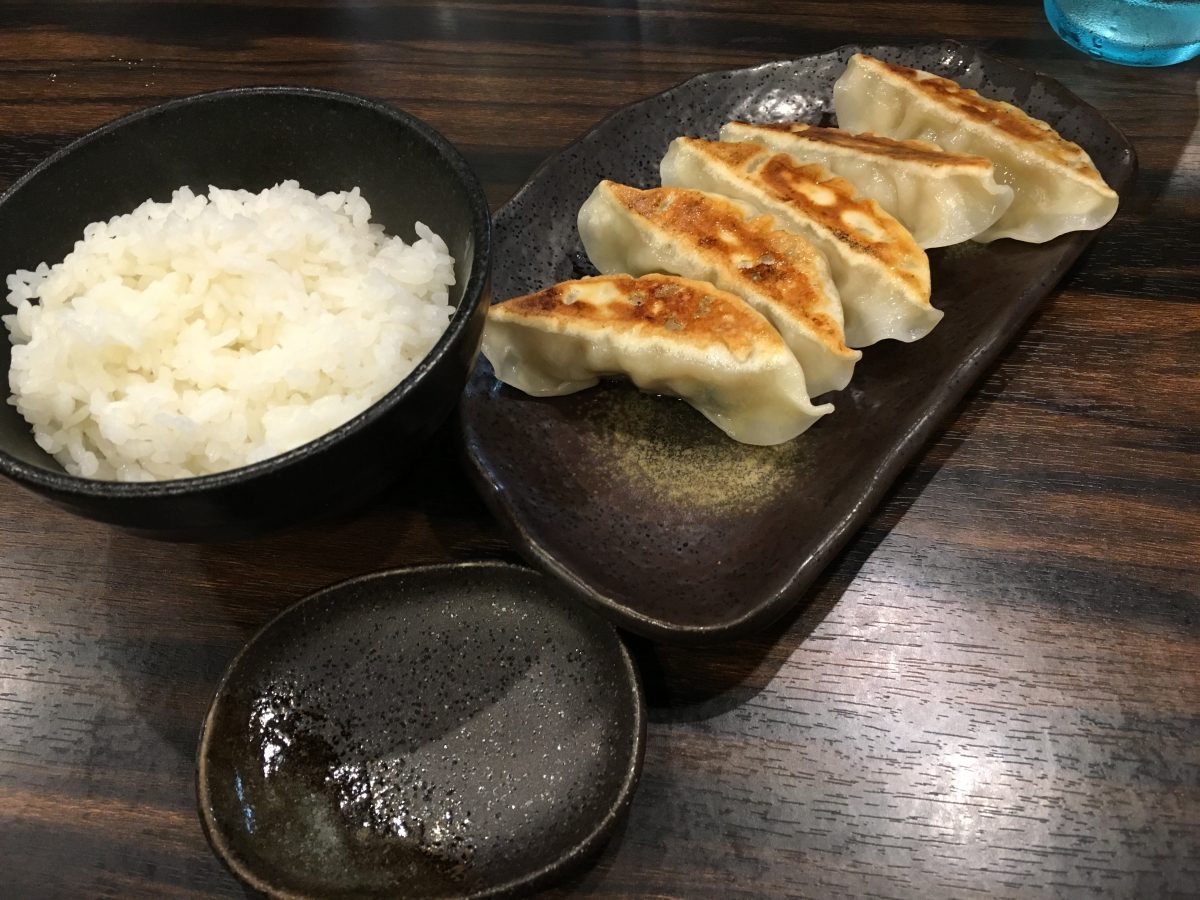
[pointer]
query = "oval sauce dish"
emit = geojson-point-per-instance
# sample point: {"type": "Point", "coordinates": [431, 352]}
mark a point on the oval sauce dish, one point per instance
{"type": "Point", "coordinates": [455, 730]}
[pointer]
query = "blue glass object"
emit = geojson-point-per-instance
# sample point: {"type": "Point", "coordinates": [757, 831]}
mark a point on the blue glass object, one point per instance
{"type": "Point", "coordinates": [1129, 32]}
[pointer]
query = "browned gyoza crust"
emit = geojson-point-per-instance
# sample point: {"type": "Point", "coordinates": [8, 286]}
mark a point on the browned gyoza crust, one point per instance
{"type": "Point", "coordinates": [994, 115]}
{"type": "Point", "coordinates": [875, 145]}
{"type": "Point", "coordinates": [691, 312]}
{"type": "Point", "coordinates": [777, 262]}
{"type": "Point", "coordinates": [803, 185]}
{"type": "Point", "coordinates": [668, 335]}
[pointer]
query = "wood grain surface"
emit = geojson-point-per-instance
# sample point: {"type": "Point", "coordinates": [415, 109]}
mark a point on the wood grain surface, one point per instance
{"type": "Point", "coordinates": [994, 691]}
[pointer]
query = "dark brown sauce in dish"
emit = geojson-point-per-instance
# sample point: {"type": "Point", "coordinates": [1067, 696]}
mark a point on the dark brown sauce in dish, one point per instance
{"type": "Point", "coordinates": [433, 732]}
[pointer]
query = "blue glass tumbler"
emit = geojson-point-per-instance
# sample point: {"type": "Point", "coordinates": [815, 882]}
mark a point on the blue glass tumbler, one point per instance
{"type": "Point", "coordinates": [1130, 32]}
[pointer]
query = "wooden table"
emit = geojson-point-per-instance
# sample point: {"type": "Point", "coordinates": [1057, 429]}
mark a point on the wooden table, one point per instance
{"type": "Point", "coordinates": [994, 691]}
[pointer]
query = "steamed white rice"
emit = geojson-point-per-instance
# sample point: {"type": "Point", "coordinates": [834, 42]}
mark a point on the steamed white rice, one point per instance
{"type": "Point", "coordinates": [217, 330]}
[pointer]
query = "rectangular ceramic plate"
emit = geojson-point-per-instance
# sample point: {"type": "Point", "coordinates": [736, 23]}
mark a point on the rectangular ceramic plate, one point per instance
{"type": "Point", "coordinates": [637, 502]}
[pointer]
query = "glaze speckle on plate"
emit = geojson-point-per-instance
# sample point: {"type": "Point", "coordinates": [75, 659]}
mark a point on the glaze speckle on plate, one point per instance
{"type": "Point", "coordinates": [448, 731]}
{"type": "Point", "coordinates": [639, 504]}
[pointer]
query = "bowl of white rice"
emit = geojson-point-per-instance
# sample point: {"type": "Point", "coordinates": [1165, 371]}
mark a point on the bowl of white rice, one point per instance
{"type": "Point", "coordinates": [237, 311]}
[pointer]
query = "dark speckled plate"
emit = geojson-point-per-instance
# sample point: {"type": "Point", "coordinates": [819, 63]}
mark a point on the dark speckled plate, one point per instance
{"type": "Point", "coordinates": [437, 732]}
{"type": "Point", "coordinates": [637, 502]}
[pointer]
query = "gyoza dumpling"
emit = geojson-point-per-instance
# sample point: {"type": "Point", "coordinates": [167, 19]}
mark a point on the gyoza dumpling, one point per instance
{"type": "Point", "coordinates": [881, 275]}
{"type": "Point", "coordinates": [942, 198]}
{"type": "Point", "coordinates": [1056, 188]}
{"type": "Point", "coordinates": [716, 239]}
{"type": "Point", "coordinates": [669, 335]}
